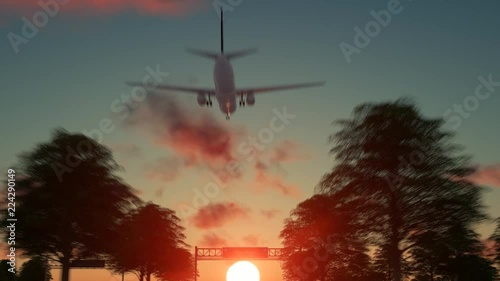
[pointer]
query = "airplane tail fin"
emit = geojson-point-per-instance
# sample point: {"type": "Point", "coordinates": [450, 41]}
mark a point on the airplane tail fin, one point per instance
{"type": "Point", "coordinates": [235, 54]}
{"type": "Point", "coordinates": [208, 54]}
{"type": "Point", "coordinates": [213, 55]}
{"type": "Point", "coordinates": [221, 31]}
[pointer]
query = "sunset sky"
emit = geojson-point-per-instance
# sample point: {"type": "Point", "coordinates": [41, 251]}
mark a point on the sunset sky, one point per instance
{"type": "Point", "coordinates": [72, 74]}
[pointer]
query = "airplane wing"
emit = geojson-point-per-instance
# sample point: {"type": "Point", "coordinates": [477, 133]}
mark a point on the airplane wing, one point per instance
{"type": "Point", "coordinates": [175, 88]}
{"type": "Point", "coordinates": [278, 88]}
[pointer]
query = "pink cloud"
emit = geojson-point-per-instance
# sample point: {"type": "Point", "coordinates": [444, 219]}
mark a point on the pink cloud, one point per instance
{"type": "Point", "coordinates": [489, 248]}
{"type": "Point", "coordinates": [212, 239]}
{"type": "Point", "coordinates": [288, 151]}
{"type": "Point", "coordinates": [81, 7]}
{"type": "Point", "coordinates": [270, 214]}
{"type": "Point", "coordinates": [487, 175]}
{"type": "Point", "coordinates": [251, 240]}
{"type": "Point", "coordinates": [217, 214]}
{"type": "Point", "coordinates": [264, 179]}
{"type": "Point", "coordinates": [200, 139]}
{"type": "Point", "coordinates": [159, 192]}
{"type": "Point", "coordinates": [194, 135]}
{"type": "Point", "coordinates": [163, 169]}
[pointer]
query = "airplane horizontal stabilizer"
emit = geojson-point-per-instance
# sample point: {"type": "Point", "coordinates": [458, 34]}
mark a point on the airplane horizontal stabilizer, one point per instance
{"type": "Point", "coordinates": [202, 53]}
{"type": "Point", "coordinates": [237, 54]}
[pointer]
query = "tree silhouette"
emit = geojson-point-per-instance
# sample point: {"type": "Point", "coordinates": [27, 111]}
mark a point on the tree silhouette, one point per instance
{"type": "Point", "coordinates": [69, 199]}
{"type": "Point", "coordinates": [409, 171]}
{"type": "Point", "coordinates": [151, 243]}
{"type": "Point", "coordinates": [4, 273]}
{"type": "Point", "coordinates": [36, 269]}
{"type": "Point", "coordinates": [437, 255]}
{"type": "Point", "coordinates": [496, 240]}
{"type": "Point", "coordinates": [321, 243]}
{"type": "Point", "coordinates": [471, 267]}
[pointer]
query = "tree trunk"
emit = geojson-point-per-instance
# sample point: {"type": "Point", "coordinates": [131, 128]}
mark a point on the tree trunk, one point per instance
{"type": "Point", "coordinates": [395, 261]}
{"type": "Point", "coordinates": [395, 253]}
{"type": "Point", "coordinates": [432, 272]}
{"type": "Point", "coordinates": [65, 269]}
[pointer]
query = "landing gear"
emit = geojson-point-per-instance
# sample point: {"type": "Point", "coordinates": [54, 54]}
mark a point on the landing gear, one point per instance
{"type": "Point", "coordinates": [242, 101]}
{"type": "Point", "coordinates": [209, 102]}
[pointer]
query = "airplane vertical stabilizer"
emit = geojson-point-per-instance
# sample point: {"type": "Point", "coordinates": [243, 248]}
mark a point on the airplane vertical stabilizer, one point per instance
{"type": "Point", "coordinates": [214, 55]}
{"type": "Point", "coordinates": [221, 31]}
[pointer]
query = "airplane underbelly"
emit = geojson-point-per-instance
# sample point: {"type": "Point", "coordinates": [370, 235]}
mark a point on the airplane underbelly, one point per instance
{"type": "Point", "coordinates": [227, 102]}
{"type": "Point", "coordinates": [224, 76]}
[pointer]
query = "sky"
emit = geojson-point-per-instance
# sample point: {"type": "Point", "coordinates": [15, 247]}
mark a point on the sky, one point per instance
{"type": "Point", "coordinates": [71, 73]}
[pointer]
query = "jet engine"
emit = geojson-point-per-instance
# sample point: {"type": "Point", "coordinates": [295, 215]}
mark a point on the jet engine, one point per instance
{"type": "Point", "coordinates": [250, 99]}
{"type": "Point", "coordinates": [202, 100]}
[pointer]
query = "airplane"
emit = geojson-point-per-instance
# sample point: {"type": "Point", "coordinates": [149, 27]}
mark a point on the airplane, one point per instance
{"type": "Point", "coordinates": [225, 91]}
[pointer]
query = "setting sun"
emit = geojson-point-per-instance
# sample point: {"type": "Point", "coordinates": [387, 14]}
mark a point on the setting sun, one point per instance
{"type": "Point", "coordinates": [243, 271]}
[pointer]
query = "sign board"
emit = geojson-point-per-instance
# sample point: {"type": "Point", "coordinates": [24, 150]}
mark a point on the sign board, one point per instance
{"type": "Point", "coordinates": [245, 253]}
{"type": "Point", "coordinates": [88, 263]}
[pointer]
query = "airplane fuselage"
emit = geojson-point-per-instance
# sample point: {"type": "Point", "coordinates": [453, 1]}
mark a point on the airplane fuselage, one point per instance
{"type": "Point", "coordinates": [225, 90]}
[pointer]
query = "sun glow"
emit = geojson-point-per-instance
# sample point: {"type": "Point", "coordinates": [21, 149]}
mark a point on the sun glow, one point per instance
{"type": "Point", "coordinates": [243, 271]}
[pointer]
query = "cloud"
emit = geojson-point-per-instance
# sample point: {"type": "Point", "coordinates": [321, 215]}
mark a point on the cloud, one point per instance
{"type": "Point", "coordinates": [159, 192]}
{"type": "Point", "coordinates": [212, 239]}
{"type": "Point", "coordinates": [199, 140]}
{"type": "Point", "coordinates": [264, 179]}
{"type": "Point", "coordinates": [127, 150]}
{"type": "Point", "coordinates": [489, 248]}
{"type": "Point", "coordinates": [195, 136]}
{"type": "Point", "coordinates": [251, 240]}
{"type": "Point", "coordinates": [137, 192]}
{"type": "Point", "coordinates": [268, 166]}
{"type": "Point", "coordinates": [288, 151]}
{"type": "Point", "coordinates": [270, 214]}
{"type": "Point", "coordinates": [487, 175]}
{"type": "Point", "coordinates": [217, 214]}
{"type": "Point", "coordinates": [89, 7]}
{"type": "Point", "coordinates": [163, 169]}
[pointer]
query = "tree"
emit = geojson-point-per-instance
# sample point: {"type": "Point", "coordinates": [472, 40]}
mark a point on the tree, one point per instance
{"type": "Point", "coordinates": [321, 243]}
{"type": "Point", "coordinates": [436, 255]}
{"type": "Point", "coordinates": [69, 199]}
{"type": "Point", "coordinates": [5, 274]}
{"type": "Point", "coordinates": [36, 269]}
{"type": "Point", "coordinates": [151, 243]}
{"type": "Point", "coordinates": [471, 267]}
{"type": "Point", "coordinates": [496, 243]}
{"type": "Point", "coordinates": [408, 169]}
